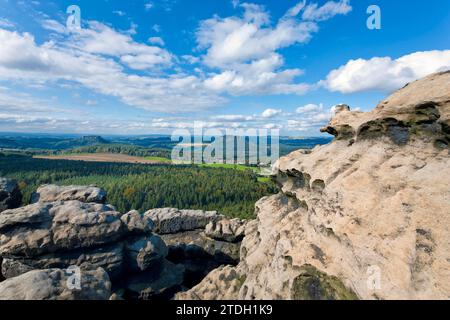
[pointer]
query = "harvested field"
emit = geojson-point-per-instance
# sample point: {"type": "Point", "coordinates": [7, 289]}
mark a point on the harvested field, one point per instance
{"type": "Point", "coordinates": [106, 157]}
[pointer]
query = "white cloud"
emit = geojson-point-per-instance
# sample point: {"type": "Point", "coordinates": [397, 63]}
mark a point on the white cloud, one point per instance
{"type": "Point", "coordinates": [91, 102]}
{"type": "Point", "coordinates": [232, 117]}
{"type": "Point", "coordinates": [309, 108]}
{"type": "Point", "coordinates": [330, 9]}
{"type": "Point", "coordinates": [384, 73]}
{"type": "Point", "coordinates": [156, 28]}
{"type": "Point", "coordinates": [311, 117]}
{"type": "Point", "coordinates": [5, 23]}
{"type": "Point", "coordinates": [22, 59]}
{"type": "Point", "coordinates": [53, 25]}
{"type": "Point", "coordinates": [119, 13]}
{"type": "Point", "coordinates": [13, 102]}
{"type": "Point", "coordinates": [244, 49]}
{"type": "Point", "coordinates": [270, 113]}
{"type": "Point", "coordinates": [258, 77]}
{"type": "Point", "coordinates": [241, 39]}
{"type": "Point", "coordinates": [156, 40]}
{"type": "Point", "coordinates": [148, 6]}
{"type": "Point", "coordinates": [101, 39]}
{"type": "Point", "coordinates": [190, 59]}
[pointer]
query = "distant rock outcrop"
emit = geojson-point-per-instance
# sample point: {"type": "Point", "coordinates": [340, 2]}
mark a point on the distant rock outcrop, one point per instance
{"type": "Point", "coordinates": [366, 216]}
{"type": "Point", "coordinates": [10, 195]}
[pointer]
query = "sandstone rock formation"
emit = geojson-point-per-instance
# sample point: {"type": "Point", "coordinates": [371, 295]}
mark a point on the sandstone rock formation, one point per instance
{"type": "Point", "coordinates": [52, 284]}
{"type": "Point", "coordinates": [171, 220]}
{"type": "Point", "coordinates": [199, 254]}
{"type": "Point", "coordinates": [10, 195]}
{"type": "Point", "coordinates": [226, 230]}
{"type": "Point", "coordinates": [64, 233]}
{"type": "Point", "coordinates": [62, 229]}
{"type": "Point", "coordinates": [50, 193]}
{"type": "Point", "coordinates": [366, 216]}
{"type": "Point", "coordinates": [200, 241]}
{"type": "Point", "coordinates": [222, 283]}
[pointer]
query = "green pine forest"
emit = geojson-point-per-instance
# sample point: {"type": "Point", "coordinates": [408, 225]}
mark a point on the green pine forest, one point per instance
{"type": "Point", "coordinates": [142, 186]}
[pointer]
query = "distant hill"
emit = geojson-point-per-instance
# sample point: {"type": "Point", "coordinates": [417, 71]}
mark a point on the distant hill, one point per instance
{"type": "Point", "coordinates": [159, 146]}
{"type": "Point", "coordinates": [50, 143]}
{"type": "Point", "coordinates": [89, 141]}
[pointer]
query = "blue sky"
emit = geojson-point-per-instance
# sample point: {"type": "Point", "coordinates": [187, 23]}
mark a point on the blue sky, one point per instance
{"type": "Point", "coordinates": [141, 67]}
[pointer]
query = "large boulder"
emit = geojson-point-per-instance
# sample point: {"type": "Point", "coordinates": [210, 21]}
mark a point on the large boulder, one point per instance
{"type": "Point", "coordinates": [56, 284]}
{"type": "Point", "coordinates": [365, 216]}
{"type": "Point", "coordinates": [171, 220]}
{"type": "Point", "coordinates": [51, 193]}
{"type": "Point", "coordinates": [66, 233]}
{"type": "Point", "coordinates": [108, 257]}
{"type": "Point", "coordinates": [137, 223]}
{"type": "Point", "coordinates": [48, 227]}
{"type": "Point", "coordinates": [10, 195]}
{"type": "Point", "coordinates": [144, 252]}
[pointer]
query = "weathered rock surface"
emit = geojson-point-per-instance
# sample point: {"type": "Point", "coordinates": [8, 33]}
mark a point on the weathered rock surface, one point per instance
{"type": "Point", "coordinates": [188, 244]}
{"type": "Point", "coordinates": [420, 109]}
{"type": "Point", "coordinates": [10, 195]}
{"type": "Point", "coordinates": [199, 254]}
{"type": "Point", "coordinates": [226, 230]}
{"type": "Point", "coordinates": [171, 220]}
{"type": "Point", "coordinates": [42, 228]}
{"type": "Point", "coordinates": [65, 233]}
{"type": "Point", "coordinates": [223, 283]}
{"type": "Point", "coordinates": [144, 252]}
{"type": "Point", "coordinates": [366, 216]}
{"type": "Point", "coordinates": [109, 257]}
{"type": "Point", "coordinates": [54, 284]}
{"type": "Point", "coordinates": [137, 223]}
{"type": "Point", "coordinates": [71, 226]}
{"type": "Point", "coordinates": [51, 193]}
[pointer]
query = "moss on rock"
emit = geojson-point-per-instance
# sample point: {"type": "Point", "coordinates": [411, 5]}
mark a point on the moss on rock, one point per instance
{"type": "Point", "coordinates": [313, 284]}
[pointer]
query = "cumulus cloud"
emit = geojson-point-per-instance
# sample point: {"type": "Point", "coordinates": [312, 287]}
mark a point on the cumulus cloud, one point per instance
{"type": "Point", "coordinates": [101, 39]}
{"type": "Point", "coordinates": [244, 48]}
{"type": "Point", "coordinates": [238, 55]}
{"type": "Point", "coordinates": [385, 73]}
{"type": "Point", "coordinates": [23, 59]}
{"type": "Point", "coordinates": [310, 117]}
{"type": "Point", "coordinates": [270, 113]}
{"type": "Point", "coordinates": [241, 39]}
{"type": "Point", "coordinates": [309, 108]}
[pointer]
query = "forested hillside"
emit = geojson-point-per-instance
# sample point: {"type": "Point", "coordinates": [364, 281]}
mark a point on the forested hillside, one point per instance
{"type": "Point", "coordinates": [142, 187]}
